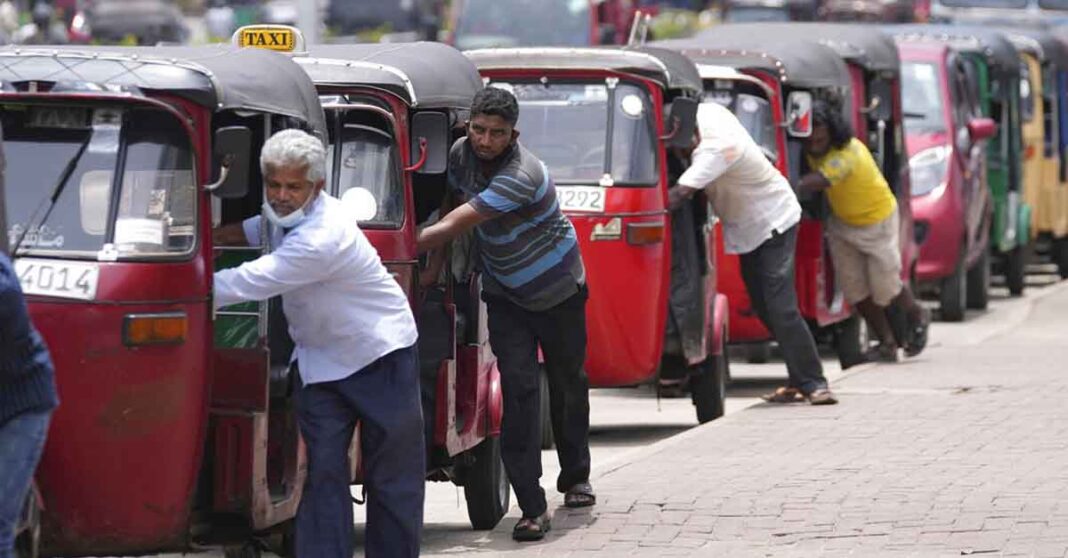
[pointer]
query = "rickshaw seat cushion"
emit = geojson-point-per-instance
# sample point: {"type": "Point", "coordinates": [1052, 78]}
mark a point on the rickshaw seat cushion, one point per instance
{"type": "Point", "coordinates": [435, 337]}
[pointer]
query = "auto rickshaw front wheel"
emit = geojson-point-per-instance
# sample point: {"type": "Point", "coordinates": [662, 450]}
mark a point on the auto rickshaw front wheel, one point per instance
{"type": "Point", "coordinates": [1060, 256]}
{"type": "Point", "coordinates": [708, 387]}
{"type": "Point", "coordinates": [486, 487]}
{"type": "Point", "coordinates": [1016, 269]}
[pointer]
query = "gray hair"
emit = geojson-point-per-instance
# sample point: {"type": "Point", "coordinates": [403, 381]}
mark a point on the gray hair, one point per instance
{"type": "Point", "coordinates": [294, 149]}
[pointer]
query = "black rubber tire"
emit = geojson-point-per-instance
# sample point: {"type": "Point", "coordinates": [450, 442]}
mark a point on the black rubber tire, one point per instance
{"type": "Point", "coordinates": [758, 353]}
{"type": "Point", "coordinates": [545, 419]}
{"type": "Point", "coordinates": [1060, 256]}
{"type": "Point", "coordinates": [247, 550]}
{"type": "Point", "coordinates": [28, 535]}
{"type": "Point", "coordinates": [953, 294]}
{"type": "Point", "coordinates": [1016, 270]}
{"type": "Point", "coordinates": [486, 487]}
{"type": "Point", "coordinates": [979, 283]}
{"type": "Point", "coordinates": [708, 388]}
{"type": "Point", "coordinates": [850, 341]}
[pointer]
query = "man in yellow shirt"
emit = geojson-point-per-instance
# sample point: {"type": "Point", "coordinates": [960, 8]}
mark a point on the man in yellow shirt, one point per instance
{"type": "Point", "coordinates": [862, 230]}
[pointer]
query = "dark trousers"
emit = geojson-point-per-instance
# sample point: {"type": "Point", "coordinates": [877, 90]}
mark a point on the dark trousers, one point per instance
{"type": "Point", "coordinates": [515, 334]}
{"type": "Point", "coordinates": [768, 273]}
{"type": "Point", "coordinates": [22, 438]}
{"type": "Point", "coordinates": [384, 397]}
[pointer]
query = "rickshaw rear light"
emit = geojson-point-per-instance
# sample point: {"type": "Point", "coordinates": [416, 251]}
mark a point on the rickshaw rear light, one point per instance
{"type": "Point", "coordinates": [169, 328]}
{"type": "Point", "coordinates": [645, 233]}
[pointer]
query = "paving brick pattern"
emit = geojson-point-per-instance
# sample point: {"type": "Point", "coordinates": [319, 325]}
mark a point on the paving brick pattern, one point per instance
{"type": "Point", "coordinates": [961, 452]}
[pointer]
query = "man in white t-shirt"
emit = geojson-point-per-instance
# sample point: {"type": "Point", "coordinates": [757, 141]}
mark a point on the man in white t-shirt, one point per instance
{"type": "Point", "coordinates": [760, 213]}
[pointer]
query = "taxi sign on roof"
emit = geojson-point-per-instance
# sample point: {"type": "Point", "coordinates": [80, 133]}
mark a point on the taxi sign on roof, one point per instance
{"type": "Point", "coordinates": [281, 38]}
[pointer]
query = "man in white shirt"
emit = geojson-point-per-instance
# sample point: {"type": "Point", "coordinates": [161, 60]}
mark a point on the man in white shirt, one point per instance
{"type": "Point", "coordinates": [760, 213]}
{"type": "Point", "coordinates": [355, 350]}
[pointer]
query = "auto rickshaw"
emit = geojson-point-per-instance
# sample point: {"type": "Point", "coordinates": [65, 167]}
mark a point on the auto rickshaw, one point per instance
{"type": "Point", "coordinates": [392, 112]}
{"type": "Point", "coordinates": [1042, 110]}
{"type": "Point", "coordinates": [786, 74]}
{"type": "Point", "coordinates": [952, 205]}
{"type": "Point", "coordinates": [996, 66]}
{"type": "Point", "coordinates": [608, 122]}
{"type": "Point", "coordinates": [170, 436]}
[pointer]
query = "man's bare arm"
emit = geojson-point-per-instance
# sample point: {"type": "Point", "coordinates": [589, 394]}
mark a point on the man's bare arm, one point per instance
{"type": "Point", "coordinates": [814, 182]}
{"type": "Point", "coordinates": [457, 222]}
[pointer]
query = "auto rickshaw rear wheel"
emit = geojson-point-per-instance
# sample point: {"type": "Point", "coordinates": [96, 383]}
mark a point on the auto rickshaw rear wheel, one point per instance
{"type": "Point", "coordinates": [758, 353]}
{"type": "Point", "coordinates": [953, 293]}
{"type": "Point", "coordinates": [486, 487]}
{"type": "Point", "coordinates": [247, 550]}
{"type": "Point", "coordinates": [708, 387]}
{"type": "Point", "coordinates": [1016, 270]}
{"type": "Point", "coordinates": [979, 283]}
{"type": "Point", "coordinates": [1060, 256]}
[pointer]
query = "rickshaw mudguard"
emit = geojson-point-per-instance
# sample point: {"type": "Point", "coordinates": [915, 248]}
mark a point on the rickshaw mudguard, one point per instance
{"type": "Point", "coordinates": [137, 436]}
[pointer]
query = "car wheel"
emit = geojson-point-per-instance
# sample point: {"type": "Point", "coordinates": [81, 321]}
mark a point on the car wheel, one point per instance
{"type": "Point", "coordinates": [486, 486]}
{"type": "Point", "coordinates": [979, 283]}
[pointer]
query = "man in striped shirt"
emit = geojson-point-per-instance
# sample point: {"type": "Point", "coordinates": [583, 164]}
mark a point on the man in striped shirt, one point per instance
{"type": "Point", "coordinates": [535, 292]}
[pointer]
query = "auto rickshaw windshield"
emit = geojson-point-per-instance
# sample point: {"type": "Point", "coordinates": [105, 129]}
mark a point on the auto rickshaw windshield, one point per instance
{"type": "Point", "coordinates": [364, 169]}
{"type": "Point", "coordinates": [567, 125]}
{"type": "Point", "coordinates": [922, 98]}
{"type": "Point", "coordinates": [151, 213]}
{"type": "Point", "coordinates": [755, 115]}
{"type": "Point", "coordinates": [509, 23]}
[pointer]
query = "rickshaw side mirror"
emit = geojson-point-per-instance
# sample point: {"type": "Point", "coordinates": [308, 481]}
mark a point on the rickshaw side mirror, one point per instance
{"type": "Point", "coordinates": [799, 114]}
{"type": "Point", "coordinates": [981, 129]}
{"type": "Point", "coordinates": [429, 142]}
{"type": "Point", "coordinates": [233, 152]}
{"type": "Point", "coordinates": [680, 121]}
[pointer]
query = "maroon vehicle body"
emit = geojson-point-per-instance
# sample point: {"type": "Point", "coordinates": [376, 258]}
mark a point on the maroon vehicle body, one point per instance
{"type": "Point", "coordinates": [951, 201]}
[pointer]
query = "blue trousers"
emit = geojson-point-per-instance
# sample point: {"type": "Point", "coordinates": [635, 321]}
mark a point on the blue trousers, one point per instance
{"type": "Point", "coordinates": [384, 397]}
{"type": "Point", "coordinates": [21, 441]}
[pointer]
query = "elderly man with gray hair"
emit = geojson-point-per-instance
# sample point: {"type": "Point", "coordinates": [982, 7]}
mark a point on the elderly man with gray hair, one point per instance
{"type": "Point", "coordinates": [355, 351]}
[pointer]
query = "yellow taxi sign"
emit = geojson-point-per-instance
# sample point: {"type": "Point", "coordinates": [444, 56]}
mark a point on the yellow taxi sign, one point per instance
{"type": "Point", "coordinates": [281, 38]}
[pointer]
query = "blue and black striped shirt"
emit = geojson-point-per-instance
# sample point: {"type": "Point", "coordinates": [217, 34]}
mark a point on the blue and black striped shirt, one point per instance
{"type": "Point", "coordinates": [528, 249]}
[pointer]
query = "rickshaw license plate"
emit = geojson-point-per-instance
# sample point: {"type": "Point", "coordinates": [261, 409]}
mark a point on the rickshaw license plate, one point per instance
{"type": "Point", "coordinates": [59, 279]}
{"type": "Point", "coordinates": [588, 199]}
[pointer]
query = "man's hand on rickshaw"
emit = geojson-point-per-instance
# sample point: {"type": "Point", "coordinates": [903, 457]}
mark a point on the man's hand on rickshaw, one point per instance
{"type": "Point", "coordinates": [229, 235]}
{"type": "Point", "coordinates": [679, 195]}
{"type": "Point", "coordinates": [814, 182]}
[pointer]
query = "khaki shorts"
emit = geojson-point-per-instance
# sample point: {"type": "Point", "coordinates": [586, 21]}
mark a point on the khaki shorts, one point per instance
{"type": "Point", "coordinates": [867, 260]}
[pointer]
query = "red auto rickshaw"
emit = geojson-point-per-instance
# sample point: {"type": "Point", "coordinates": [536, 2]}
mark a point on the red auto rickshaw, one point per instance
{"type": "Point", "coordinates": [770, 86]}
{"type": "Point", "coordinates": [608, 122]}
{"type": "Point", "coordinates": [170, 434]}
{"type": "Point", "coordinates": [392, 112]}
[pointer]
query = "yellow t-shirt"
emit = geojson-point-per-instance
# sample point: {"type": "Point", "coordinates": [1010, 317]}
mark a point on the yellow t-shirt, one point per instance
{"type": "Point", "coordinates": [859, 194]}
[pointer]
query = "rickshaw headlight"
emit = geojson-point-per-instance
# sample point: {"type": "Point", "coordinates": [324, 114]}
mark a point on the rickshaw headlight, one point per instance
{"type": "Point", "coordinates": [168, 328]}
{"type": "Point", "coordinates": [928, 169]}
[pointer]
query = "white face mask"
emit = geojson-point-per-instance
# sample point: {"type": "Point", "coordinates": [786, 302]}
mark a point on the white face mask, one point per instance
{"type": "Point", "coordinates": [288, 221]}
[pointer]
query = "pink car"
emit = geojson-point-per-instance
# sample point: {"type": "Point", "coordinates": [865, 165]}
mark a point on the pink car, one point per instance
{"type": "Point", "coordinates": [951, 204]}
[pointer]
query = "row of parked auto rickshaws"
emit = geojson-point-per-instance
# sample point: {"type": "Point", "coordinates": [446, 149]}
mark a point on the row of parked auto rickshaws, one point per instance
{"type": "Point", "coordinates": [177, 426]}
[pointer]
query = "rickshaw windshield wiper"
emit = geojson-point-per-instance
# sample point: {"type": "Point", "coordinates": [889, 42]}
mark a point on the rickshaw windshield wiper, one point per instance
{"type": "Point", "coordinates": [57, 190]}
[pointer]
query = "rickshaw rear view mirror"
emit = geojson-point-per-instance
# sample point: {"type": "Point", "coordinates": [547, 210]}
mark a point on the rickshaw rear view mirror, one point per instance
{"type": "Point", "coordinates": [799, 114]}
{"type": "Point", "coordinates": [982, 128]}
{"type": "Point", "coordinates": [429, 143]}
{"type": "Point", "coordinates": [680, 121]}
{"type": "Point", "coordinates": [233, 154]}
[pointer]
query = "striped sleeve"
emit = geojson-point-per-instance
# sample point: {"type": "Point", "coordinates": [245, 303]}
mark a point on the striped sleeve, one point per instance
{"type": "Point", "coordinates": [505, 194]}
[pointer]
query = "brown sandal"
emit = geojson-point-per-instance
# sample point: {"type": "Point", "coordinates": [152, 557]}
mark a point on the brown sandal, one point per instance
{"type": "Point", "coordinates": [784, 395]}
{"type": "Point", "coordinates": [531, 528]}
{"type": "Point", "coordinates": [580, 496]}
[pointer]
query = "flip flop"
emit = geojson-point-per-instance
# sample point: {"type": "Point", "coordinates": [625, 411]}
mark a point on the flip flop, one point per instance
{"type": "Point", "coordinates": [532, 528]}
{"type": "Point", "coordinates": [784, 395]}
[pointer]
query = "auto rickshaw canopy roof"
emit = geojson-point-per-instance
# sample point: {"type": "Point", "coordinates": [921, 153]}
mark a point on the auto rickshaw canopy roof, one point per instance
{"type": "Point", "coordinates": [805, 64]}
{"type": "Point", "coordinates": [422, 74]}
{"type": "Point", "coordinates": [217, 77]}
{"type": "Point", "coordinates": [858, 43]}
{"type": "Point", "coordinates": [992, 44]}
{"type": "Point", "coordinates": [666, 67]}
{"type": "Point", "coordinates": [1042, 41]}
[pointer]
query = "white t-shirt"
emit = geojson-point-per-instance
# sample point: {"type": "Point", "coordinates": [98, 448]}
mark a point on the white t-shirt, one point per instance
{"type": "Point", "coordinates": [751, 197]}
{"type": "Point", "coordinates": [344, 309]}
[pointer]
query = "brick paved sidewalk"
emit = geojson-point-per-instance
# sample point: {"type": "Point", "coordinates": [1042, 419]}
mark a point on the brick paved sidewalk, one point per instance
{"type": "Point", "coordinates": [963, 451]}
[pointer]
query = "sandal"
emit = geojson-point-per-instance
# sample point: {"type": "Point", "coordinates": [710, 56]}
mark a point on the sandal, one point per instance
{"type": "Point", "coordinates": [822, 397]}
{"type": "Point", "coordinates": [580, 496]}
{"type": "Point", "coordinates": [918, 334]}
{"type": "Point", "coordinates": [532, 528]}
{"type": "Point", "coordinates": [882, 353]}
{"type": "Point", "coordinates": [784, 395]}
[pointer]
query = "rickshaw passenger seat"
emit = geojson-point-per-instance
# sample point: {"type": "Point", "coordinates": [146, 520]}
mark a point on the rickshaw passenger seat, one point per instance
{"type": "Point", "coordinates": [281, 347]}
